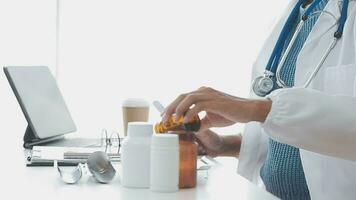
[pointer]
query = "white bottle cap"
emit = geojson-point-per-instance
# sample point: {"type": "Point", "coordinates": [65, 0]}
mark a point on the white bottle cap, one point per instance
{"type": "Point", "coordinates": [140, 129]}
{"type": "Point", "coordinates": [165, 140]}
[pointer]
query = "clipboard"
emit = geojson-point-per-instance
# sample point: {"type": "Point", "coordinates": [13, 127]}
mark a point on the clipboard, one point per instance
{"type": "Point", "coordinates": [65, 156]}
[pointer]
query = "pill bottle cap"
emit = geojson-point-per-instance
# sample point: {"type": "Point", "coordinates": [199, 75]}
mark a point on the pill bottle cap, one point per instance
{"type": "Point", "coordinates": [100, 166]}
{"type": "Point", "coordinates": [165, 140]}
{"type": "Point", "coordinates": [140, 129]}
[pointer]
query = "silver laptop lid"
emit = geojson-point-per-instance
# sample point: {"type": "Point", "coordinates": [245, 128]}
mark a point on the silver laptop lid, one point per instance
{"type": "Point", "coordinates": [41, 101]}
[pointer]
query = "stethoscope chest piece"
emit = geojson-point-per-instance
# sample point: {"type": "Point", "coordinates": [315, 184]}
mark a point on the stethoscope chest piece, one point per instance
{"type": "Point", "coordinates": [262, 85]}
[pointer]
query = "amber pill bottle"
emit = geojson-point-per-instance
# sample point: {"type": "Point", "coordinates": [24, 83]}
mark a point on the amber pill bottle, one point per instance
{"type": "Point", "coordinates": [174, 124]}
{"type": "Point", "coordinates": [188, 152]}
{"type": "Point", "coordinates": [188, 147]}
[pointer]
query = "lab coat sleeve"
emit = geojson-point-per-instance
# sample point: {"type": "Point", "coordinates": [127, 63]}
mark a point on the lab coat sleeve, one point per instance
{"type": "Point", "coordinates": [253, 152]}
{"type": "Point", "coordinates": [314, 121]}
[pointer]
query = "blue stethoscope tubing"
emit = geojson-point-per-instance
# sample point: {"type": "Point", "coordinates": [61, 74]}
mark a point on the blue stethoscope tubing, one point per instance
{"type": "Point", "coordinates": [264, 84]}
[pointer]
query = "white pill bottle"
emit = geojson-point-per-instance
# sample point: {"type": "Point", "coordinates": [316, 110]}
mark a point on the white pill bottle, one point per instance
{"type": "Point", "coordinates": [164, 163]}
{"type": "Point", "coordinates": [135, 155]}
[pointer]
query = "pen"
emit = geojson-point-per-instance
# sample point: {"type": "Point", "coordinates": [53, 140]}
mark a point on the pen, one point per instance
{"type": "Point", "coordinates": [49, 164]}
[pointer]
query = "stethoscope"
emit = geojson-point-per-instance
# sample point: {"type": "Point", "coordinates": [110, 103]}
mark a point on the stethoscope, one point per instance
{"type": "Point", "coordinates": [263, 85]}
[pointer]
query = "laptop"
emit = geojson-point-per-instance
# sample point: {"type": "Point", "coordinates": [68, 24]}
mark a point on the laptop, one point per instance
{"type": "Point", "coordinates": [43, 106]}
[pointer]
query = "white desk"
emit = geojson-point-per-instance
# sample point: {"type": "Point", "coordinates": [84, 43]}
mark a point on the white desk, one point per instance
{"type": "Point", "coordinates": [20, 182]}
{"type": "Point", "coordinates": [44, 183]}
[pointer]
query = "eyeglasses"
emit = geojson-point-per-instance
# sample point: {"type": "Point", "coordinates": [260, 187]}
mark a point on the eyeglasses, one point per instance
{"type": "Point", "coordinates": [110, 142]}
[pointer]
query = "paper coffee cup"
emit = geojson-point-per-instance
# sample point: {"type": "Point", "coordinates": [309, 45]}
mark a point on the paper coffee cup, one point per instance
{"type": "Point", "coordinates": [134, 110]}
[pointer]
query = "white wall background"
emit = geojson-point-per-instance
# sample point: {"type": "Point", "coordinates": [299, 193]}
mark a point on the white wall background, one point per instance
{"type": "Point", "coordinates": [114, 49]}
{"type": "Point", "coordinates": [27, 37]}
{"type": "Point", "coordinates": [156, 49]}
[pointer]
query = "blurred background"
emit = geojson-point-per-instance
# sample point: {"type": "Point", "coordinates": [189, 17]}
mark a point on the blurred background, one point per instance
{"type": "Point", "coordinates": [104, 51]}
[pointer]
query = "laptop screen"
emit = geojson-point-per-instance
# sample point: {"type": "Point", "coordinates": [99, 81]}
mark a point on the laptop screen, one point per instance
{"type": "Point", "coordinates": [41, 100]}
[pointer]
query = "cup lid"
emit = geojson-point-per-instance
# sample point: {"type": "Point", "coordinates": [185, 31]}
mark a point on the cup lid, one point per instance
{"type": "Point", "coordinates": [140, 129]}
{"type": "Point", "coordinates": [135, 102]}
{"type": "Point", "coordinates": [165, 140]}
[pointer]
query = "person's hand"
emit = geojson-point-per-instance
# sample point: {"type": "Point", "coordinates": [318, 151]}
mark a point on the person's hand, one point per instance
{"type": "Point", "coordinates": [214, 120]}
{"type": "Point", "coordinates": [221, 109]}
{"type": "Point", "coordinates": [210, 143]}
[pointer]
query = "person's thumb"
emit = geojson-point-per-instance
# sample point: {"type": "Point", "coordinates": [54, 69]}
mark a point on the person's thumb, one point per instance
{"type": "Point", "coordinates": [205, 124]}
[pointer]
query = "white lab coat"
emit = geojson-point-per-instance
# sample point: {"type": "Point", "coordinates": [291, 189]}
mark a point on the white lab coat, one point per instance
{"type": "Point", "coordinates": [320, 119]}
